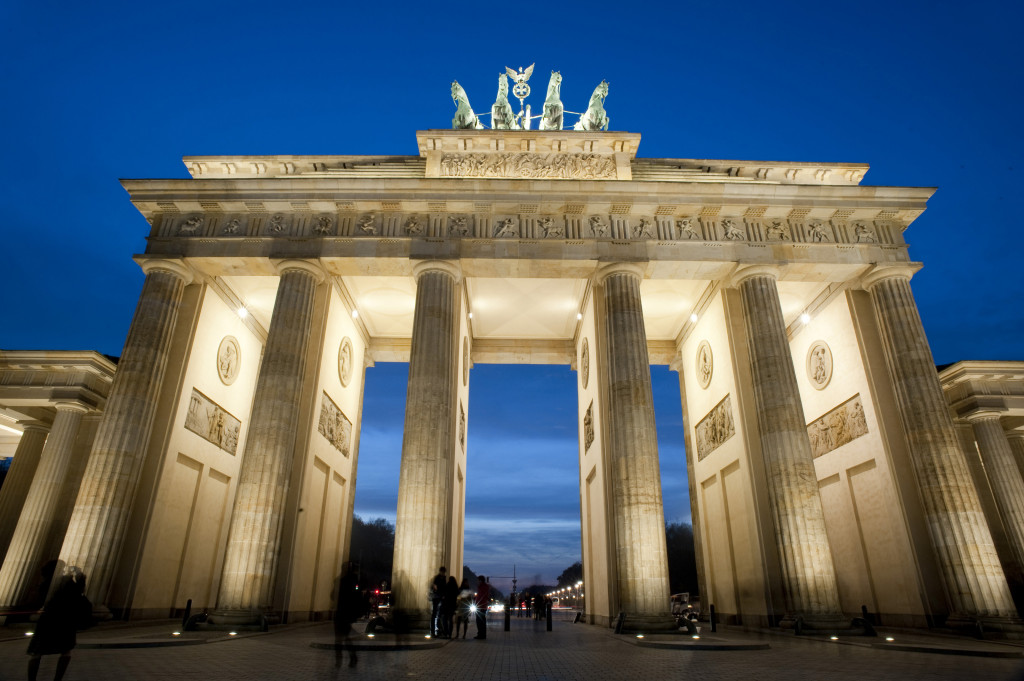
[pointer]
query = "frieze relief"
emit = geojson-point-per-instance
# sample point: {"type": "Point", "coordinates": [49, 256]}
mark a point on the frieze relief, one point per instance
{"type": "Point", "coordinates": [213, 423]}
{"type": "Point", "coordinates": [588, 428]}
{"type": "Point", "coordinates": [618, 226]}
{"type": "Point", "coordinates": [715, 428]}
{"type": "Point", "coordinates": [529, 165]}
{"type": "Point", "coordinates": [462, 426]}
{"type": "Point", "coordinates": [841, 425]}
{"type": "Point", "coordinates": [334, 425]}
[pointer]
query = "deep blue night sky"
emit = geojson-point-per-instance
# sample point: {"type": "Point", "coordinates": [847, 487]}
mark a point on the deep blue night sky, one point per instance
{"type": "Point", "coordinates": [928, 93]}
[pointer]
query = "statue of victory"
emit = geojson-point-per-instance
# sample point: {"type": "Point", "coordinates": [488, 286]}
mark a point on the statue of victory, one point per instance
{"type": "Point", "coordinates": [502, 116]}
{"type": "Point", "coordinates": [552, 118]}
{"type": "Point", "coordinates": [464, 119]}
{"type": "Point", "coordinates": [595, 118]}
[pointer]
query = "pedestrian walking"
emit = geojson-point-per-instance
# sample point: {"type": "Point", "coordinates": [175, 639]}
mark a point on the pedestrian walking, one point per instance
{"type": "Point", "coordinates": [66, 611]}
{"type": "Point", "coordinates": [462, 608]}
{"type": "Point", "coordinates": [482, 601]}
{"type": "Point", "coordinates": [349, 605]}
{"type": "Point", "coordinates": [448, 603]}
{"type": "Point", "coordinates": [436, 597]}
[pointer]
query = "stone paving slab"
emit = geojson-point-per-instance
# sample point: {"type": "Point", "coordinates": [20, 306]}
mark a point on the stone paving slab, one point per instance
{"type": "Point", "coordinates": [527, 653]}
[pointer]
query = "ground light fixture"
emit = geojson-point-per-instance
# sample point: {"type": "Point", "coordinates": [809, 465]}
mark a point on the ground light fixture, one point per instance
{"type": "Point", "coordinates": [639, 635]}
{"type": "Point", "coordinates": [890, 639]}
{"type": "Point", "coordinates": [695, 637]}
{"type": "Point", "coordinates": [833, 638]}
{"type": "Point", "coordinates": [175, 633]}
{"type": "Point", "coordinates": [232, 633]}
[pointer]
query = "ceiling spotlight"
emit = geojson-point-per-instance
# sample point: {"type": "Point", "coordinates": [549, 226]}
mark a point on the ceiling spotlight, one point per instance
{"type": "Point", "coordinates": [579, 316]}
{"type": "Point", "coordinates": [243, 313]}
{"type": "Point", "coordinates": [693, 317]}
{"type": "Point", "coordinates": [805, 318]}
{"type": "Point", "coordinates": [470, 315]}
{"type": "Point", "coordinates": [355, 314]}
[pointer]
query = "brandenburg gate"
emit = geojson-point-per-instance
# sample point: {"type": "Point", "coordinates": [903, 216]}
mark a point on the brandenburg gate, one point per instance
{"type": "Point", "coordinates": [824, 467]}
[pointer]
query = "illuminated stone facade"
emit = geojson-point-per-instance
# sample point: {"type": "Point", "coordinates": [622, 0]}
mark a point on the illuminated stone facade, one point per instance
{"type": "Point", "coordinates": [825, 470]}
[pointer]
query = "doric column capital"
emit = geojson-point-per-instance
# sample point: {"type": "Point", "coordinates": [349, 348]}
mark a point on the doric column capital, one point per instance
{"type": "Point", "coordinates": [312, 268]}
{"type": "Point", "coordinates": [980, 415]}
{"type": "Point", "coordinates": [174, 266]}
{"type": "Point", "coordinates": [447, 266]}
{"type": "Point", "coordinates": [631, 268]}
{"type": "Point", "coordinates": [34, 425]}
{"type": "Point", "coordinates": [749, 271]}
{"type": "Point", "coordinates": [889, 271]}
{"type": "Point", "coordinates": [71, 405]}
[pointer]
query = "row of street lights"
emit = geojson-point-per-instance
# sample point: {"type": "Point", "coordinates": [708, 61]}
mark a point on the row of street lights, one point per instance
{"type": "Point", "coordinates": [573, 591]}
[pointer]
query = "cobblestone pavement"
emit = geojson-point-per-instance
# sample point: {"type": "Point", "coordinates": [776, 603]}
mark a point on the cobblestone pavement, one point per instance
{"type": "Point", "coordinates": [528, 652]}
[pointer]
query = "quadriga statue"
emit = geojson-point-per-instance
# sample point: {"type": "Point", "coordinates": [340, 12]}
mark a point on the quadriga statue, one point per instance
{"type": "Point", "coordinates": [595, 118]}
{"type": "Point", "coordinates": [552, 117]}
{"type": "Point", "coordinates": [502, 116]}
{"type": "Point", "coordinates": [464, 119]}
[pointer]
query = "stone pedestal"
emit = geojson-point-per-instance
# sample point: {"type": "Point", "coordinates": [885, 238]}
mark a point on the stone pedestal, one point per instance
{"type": "Point", "coordinates": [1004, 477]}
{"type": "Point", "coordinates": [18, 480]}
{"type": "Point", "coordinates": [96, 530]}
{"type": "Point", "coordinates": [423, 523]}
{"type": "Point", "coordinates": [641, 558]}
{"type": "Point", "coordinates": [36, 522]}
{"type": "Point", "coordinates": [254, 538]}
{"type": "Point", "coordinates": [808, 573]}
{"type": "Point", "coordinates": [967, 559]}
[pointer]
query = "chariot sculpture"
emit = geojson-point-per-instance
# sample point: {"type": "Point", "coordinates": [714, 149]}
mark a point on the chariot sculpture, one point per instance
{"type": "Point", "coordinates": [504, 117]}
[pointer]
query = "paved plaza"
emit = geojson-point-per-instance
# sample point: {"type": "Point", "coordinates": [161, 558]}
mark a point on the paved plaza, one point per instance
{"type": "Point", "coordinates": [527, 652]}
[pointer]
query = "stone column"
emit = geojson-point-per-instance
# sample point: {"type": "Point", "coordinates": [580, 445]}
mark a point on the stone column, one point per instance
{"type": "Point", "coordinates": [1003, 475]}
{"type": "Point", "coordinates": [641, 557]}
{"type": "Point", "coordinates": [1015, 438]}
{"type": "Point", "coordinates": [36, 522]}
{"type": "Point", "coordinates": [97, 526]}
{"type": "Point", "coordinates": [423, 523]}
{"type": "Point", "coordinates": [254, 537]}
{"type": "Point", "coordinates": [808, 574]}
{"type": "Point", "coordinates": [967, 559]}
{"type": "Point", "coordinates": [18, 480]}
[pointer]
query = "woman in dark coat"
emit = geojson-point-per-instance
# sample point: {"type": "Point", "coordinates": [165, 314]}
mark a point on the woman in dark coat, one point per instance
{"type": "Point", "coordinates": [55, 631]}
{"type": "Point", "coordinates": [448, 602]}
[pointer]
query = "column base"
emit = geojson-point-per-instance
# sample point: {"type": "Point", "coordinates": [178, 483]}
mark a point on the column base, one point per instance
{"type": "Point", "coordinates": [817, 623]}
{"type": "Point", "coordinates": [986, 627]}
{"type": "Point", "coordinates": [409, 621]}
{"type": "Point", "coordinates": [645, 623]}
{"type": "Point", "coordinates": [247, 620]}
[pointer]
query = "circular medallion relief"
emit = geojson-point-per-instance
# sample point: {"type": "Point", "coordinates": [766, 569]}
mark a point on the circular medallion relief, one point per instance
{"type": "Point", "coordinates": [819, 364]}
{"type": "Point", "coordinates": [465, 361]}
{"type": "Point", "coordinates": [705, 364]}
{"type": "Point", "coordinates": [345, 361]}
{"type": "Point", "coordinates": [585, 363]}
{"type": "Point", "coordinates": [229, 360]}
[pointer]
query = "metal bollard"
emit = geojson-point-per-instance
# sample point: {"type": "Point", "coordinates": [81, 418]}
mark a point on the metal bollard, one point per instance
{"type": "Point", "coordinates": [714, 619]}
{"type": "Point", "coordinates": [508, 619]}
{"type": "Point", "coordinates": [188, 613]}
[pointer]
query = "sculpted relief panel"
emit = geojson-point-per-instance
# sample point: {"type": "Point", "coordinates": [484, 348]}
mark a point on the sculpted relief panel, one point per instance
{"type": "Point", "coordinates": [334, 425]}
{"type": "Point", "coordinates": [528, 165]}
{"type": "Point", "coordinates": [588, 428]}
{"type": "Point", "coordinates": [228, 360]}
{"type": "Point", "coordinates": [843, 424]}
{"type": "Point", "coordinates": [715, 428]}
{"type": "Point", "coordinates": [213, 423]}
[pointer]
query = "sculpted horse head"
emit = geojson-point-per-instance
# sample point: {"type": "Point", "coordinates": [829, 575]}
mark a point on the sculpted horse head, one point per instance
{"type": "Point", "coordinates": [595, 118]}
{"type": "Point", "coordinates": [552, 118]}
{"type": "Point", "coordinates": [502, 116]}
{"type": "Point", "coordinates": [464, 119]}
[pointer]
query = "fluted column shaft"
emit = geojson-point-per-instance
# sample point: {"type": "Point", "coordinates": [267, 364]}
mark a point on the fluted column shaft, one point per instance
{"type": "Point", "coordinates": [18, 480]}
{"type": "Point", "coordinates": [808, 573]}
{"type": "Point", "coordinates": [967, 559]}
{"type": "Point", "coordinates": [640, 553]}
{"type": "Point", "coordinates": [1016, 446]}
{"type": "Point", "coordinates": [96, 530]}
{"type": "Point", "coordinates": [36, 522]}
{"type": "Point", "coordinates": [1004, 477]}
{"type": "Point", "coordinates": [254, 538]}
{"type": "Point", "coordinates": [423, 522]}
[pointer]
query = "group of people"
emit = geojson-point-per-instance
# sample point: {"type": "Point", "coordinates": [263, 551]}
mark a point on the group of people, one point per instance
{"type": "Point", "coordinates": [452, 603]}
